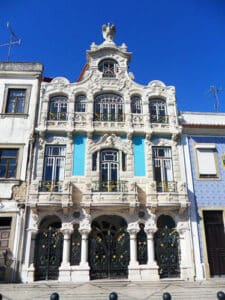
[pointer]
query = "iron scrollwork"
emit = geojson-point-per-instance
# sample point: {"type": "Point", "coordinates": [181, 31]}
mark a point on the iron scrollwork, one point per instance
{"type": "Point", "coordinates": [142, 254]}
{"type": "Point", "coordinates": [75, 250]}
{"type": "Point", "coordinates": [48, 254]}
{"type": "Point", "coordinates": [167, 252]}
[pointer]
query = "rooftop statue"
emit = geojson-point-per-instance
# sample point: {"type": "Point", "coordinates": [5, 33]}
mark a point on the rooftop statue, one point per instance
{"type": "Point", "coordinates": [108, 32]}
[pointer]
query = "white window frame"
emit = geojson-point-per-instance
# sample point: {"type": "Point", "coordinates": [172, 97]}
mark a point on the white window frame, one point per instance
{"type": "Point", "coordinates": [213, 172]}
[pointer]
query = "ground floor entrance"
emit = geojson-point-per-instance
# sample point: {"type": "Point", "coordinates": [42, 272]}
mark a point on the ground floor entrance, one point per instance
{"type": "Point", "coordinates": [215, 240]}
{"type": "Point", "coordinates": [109, 248]}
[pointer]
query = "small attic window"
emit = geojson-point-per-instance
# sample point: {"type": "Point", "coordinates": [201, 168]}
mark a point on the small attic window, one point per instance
{"type": "Point", "coordinates": [108, 67]}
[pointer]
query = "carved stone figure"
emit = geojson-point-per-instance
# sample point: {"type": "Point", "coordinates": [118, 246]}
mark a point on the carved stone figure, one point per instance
{"type": "Point", "coordinates": [108, 32]}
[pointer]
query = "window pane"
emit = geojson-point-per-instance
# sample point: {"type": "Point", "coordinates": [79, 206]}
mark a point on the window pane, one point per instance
{"type": "Point", "coordinates": [15, 101]}
{"type": "Point", "coordinates": [206, 161]}
{"type": "Point", "coordinates": [8, 163]}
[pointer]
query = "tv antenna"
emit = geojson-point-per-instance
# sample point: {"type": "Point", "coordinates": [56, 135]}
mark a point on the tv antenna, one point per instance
{"type": "Point", "coordinates": [12, 41]}
{"type": "Point", "coordinates": [214, 91]}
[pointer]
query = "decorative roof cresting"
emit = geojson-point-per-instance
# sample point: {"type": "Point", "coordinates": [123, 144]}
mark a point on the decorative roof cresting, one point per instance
{"type": "Point", "coordinates": [108, 32]}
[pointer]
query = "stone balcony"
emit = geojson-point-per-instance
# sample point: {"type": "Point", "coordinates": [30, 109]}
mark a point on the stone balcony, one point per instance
{"type": "Point", "coordinates": [46, 193]}
{"type": "Point", "coordinates": [113, 194]}
{"type": "Point", "coordinates": [172, 195]}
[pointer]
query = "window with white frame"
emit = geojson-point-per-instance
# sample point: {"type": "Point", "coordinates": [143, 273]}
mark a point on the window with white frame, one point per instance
{"type": "Point", "coordinates": [54, 168]}
{"type": "Point", "coordinates": [109, 107]}
{"type": "Point", "coordinates": [207, 165]}
{"type": "Point", "coordinates": [158, 111]}
{"type": "Point", "coordinates": [58, 108]}
{"type": "Point", "coordinates": [136, 106]}
{"type": "Point", "coordinates": [80, 103]}
{"type": "Point", "coordinates": [108, 67]}
{"type": "Point", "coordinates": [109, 162]}
{"type": "Point", "coordinates": [163, 169]}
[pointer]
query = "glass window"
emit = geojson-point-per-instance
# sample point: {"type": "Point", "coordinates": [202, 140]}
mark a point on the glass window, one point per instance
{"type": "Point", "coordinates": [58, 108]}
{"type": "Point", "coordinates": [163, 169]}
{"type": "Point", "coordinates": [80, 103]}
{"type": "Point", "coordinates": [109, 107]}
{"type": "Point", "coordinates": [158, 111]}
{"type": "Point", "coordinates": [8, 163]}
{"type": "Point", "coordinates": [54, 167]}
{"type": "Point", "coordinates": [136, 105]}
{"type": "Point", "coordinates": [108, 67]}
{"type": "Point", "coordinates": [15, 101]}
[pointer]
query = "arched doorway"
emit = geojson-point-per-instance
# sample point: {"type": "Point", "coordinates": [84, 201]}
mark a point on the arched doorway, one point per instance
{"type": "Point", "coordinates": [109, 248]}
{"type": "Point", "coordinates": [167, 247]}
{"type": "Point", "coordinates": [48, 249]}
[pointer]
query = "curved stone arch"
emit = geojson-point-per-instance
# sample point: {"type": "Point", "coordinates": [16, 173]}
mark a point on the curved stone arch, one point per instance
{"type": "Point", "coordinates": [156, 83]}
{"type": "Point", "coordinates": [110, 141]}
{"type": "Point", "coordinates": [107, 91]}
{"type": "Point", "coordinates": [51, 215]}
{"type": "Point", "coordinates": [109, 213]}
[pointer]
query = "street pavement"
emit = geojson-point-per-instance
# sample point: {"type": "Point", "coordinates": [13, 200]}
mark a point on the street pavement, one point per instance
{"type": "Point", "coordinates": [100, 290]}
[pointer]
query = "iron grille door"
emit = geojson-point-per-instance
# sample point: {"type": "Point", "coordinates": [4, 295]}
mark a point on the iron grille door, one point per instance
{"type": "Point", "coordinates": [167, 252]}
{"type": "Point", "coordinates": [48, 256]}
{"type": "Point", "coordinates": [109, 251]}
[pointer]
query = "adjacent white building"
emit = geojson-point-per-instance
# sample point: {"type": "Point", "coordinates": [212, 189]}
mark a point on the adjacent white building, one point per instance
{"type": "Point", "coordinates": [19, 94]}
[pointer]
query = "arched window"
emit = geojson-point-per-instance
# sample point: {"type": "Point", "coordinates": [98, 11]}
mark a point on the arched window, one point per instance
{"type": "Point", "coordinates": [80, 103]}
{"type": "Point", "coordinates": [109, 107]}
{"type": "Point", "coordinates": [158, 111]}
{"type": "Point", "coordinates": [136, 104]}
{"type": "Point", "coordinates": [58, 108]}
{"type": "Point", "coordinates": [109, 162]}
{"type": "Point", "coordinates": [108, 67]}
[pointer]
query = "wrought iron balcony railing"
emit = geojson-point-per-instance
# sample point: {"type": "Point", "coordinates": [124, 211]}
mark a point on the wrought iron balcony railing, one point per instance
{"type": "Point", "coordinates": [109, 186]}
{"type": "Point", "coordinates": [159, 119]}
{"type": "Point", "coordinates": [57, 116]}
{"type": "Point", "coordinates": [50, 186]}
{"type": "Point", "coordinates": [166, 186]}
{"type": "Point", "coordinates": [109, 117]}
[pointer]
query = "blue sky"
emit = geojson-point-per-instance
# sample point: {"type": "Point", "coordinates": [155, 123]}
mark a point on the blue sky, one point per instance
{"type": "Point", "coordinates": [180, 42]}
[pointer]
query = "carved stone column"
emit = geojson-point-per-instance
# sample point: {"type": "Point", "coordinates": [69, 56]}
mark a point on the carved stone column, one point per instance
{"type": "Point", "coordinates": [28, 267]}
{"type": "Point", "coordinates": [133, 267]}
{"type": "Point", "coordinates": [84, 246]}
{"type": "Point", "coordinates": [64, 270]}
{"type": "Point", "coordinates": [151, 250]}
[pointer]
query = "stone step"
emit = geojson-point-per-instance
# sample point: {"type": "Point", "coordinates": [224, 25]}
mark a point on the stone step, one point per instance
{"type": "Point", "coordinates": [100, 290]}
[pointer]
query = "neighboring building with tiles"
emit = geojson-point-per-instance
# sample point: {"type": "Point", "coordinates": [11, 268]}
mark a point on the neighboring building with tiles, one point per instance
{"type": "Point", "coordinates": [108, 197]}
{"type": "Point", "coordinates": [204, 148]}
{"type": "Point", "coordinates": [19, 91]}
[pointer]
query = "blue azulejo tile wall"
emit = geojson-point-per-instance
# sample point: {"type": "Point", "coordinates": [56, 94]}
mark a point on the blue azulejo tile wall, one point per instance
{"type": "Point", "coordinates": [209, 192]}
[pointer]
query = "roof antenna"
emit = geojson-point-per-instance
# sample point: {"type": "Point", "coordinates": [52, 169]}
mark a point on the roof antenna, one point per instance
{"type": "Point", "coordinates": [12, 41]}
{"type": "Point", "coordinates": [214, 90]}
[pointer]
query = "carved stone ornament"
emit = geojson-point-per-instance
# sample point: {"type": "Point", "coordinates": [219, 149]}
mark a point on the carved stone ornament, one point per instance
{"type": "Point", "coordinates": [108, 32]}
{"type": "Point", "coordinates": [111, 141]}
{"type": "Point", "coordinates": [19, 192]}
{"type": "Point", "coordinates": [60, 81]}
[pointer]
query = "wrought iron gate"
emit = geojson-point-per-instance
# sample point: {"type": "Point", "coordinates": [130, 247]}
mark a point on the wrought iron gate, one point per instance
{"type": "Point", "coordinates": [48, 255]}
{"type": "Point", "coordinates": [167, 252]}
{"type": "Point", "coordinates": [109, 249]}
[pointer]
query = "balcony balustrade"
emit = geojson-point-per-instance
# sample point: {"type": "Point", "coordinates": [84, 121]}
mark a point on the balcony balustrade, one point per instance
{"type": "Point", "coordinates": [109, 186]}
{"type": "Point", "coordinates": [50, 186]}
{"type": "Point", "coordinates": [57, 116]}
{"type": "Point", "coordinates": [164, 119]}
{"type": "Point", "coordinates": [166, 186]}
{"type": "Point", "coordinates": [109, 117]}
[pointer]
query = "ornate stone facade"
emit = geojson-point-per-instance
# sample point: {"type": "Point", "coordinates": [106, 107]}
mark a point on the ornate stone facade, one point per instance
{"type": "Point", "coordinates": [107, 162]}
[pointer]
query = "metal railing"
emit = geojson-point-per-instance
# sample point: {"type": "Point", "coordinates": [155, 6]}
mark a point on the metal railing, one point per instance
{"type": "Point", "coordinates": [109, 117]}
{"type": "Point", "coordinates": [50, 186]}
{"type": "Point", "coordinates": [109, 186]}
{"type": "Point", "coordinates": [166, 186]}
{"type": "Point", "coordinates": [57, 116]}
{"type": "Point", "coordinates": [159, 119]}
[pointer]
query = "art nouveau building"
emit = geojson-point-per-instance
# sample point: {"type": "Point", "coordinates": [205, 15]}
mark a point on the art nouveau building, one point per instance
{"type": "Point", "coordinates": [204, 147]}
{"type": "Point", "coordinates": [19, 92]}
{"type": "Point", "coordinates": [107, 197]}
